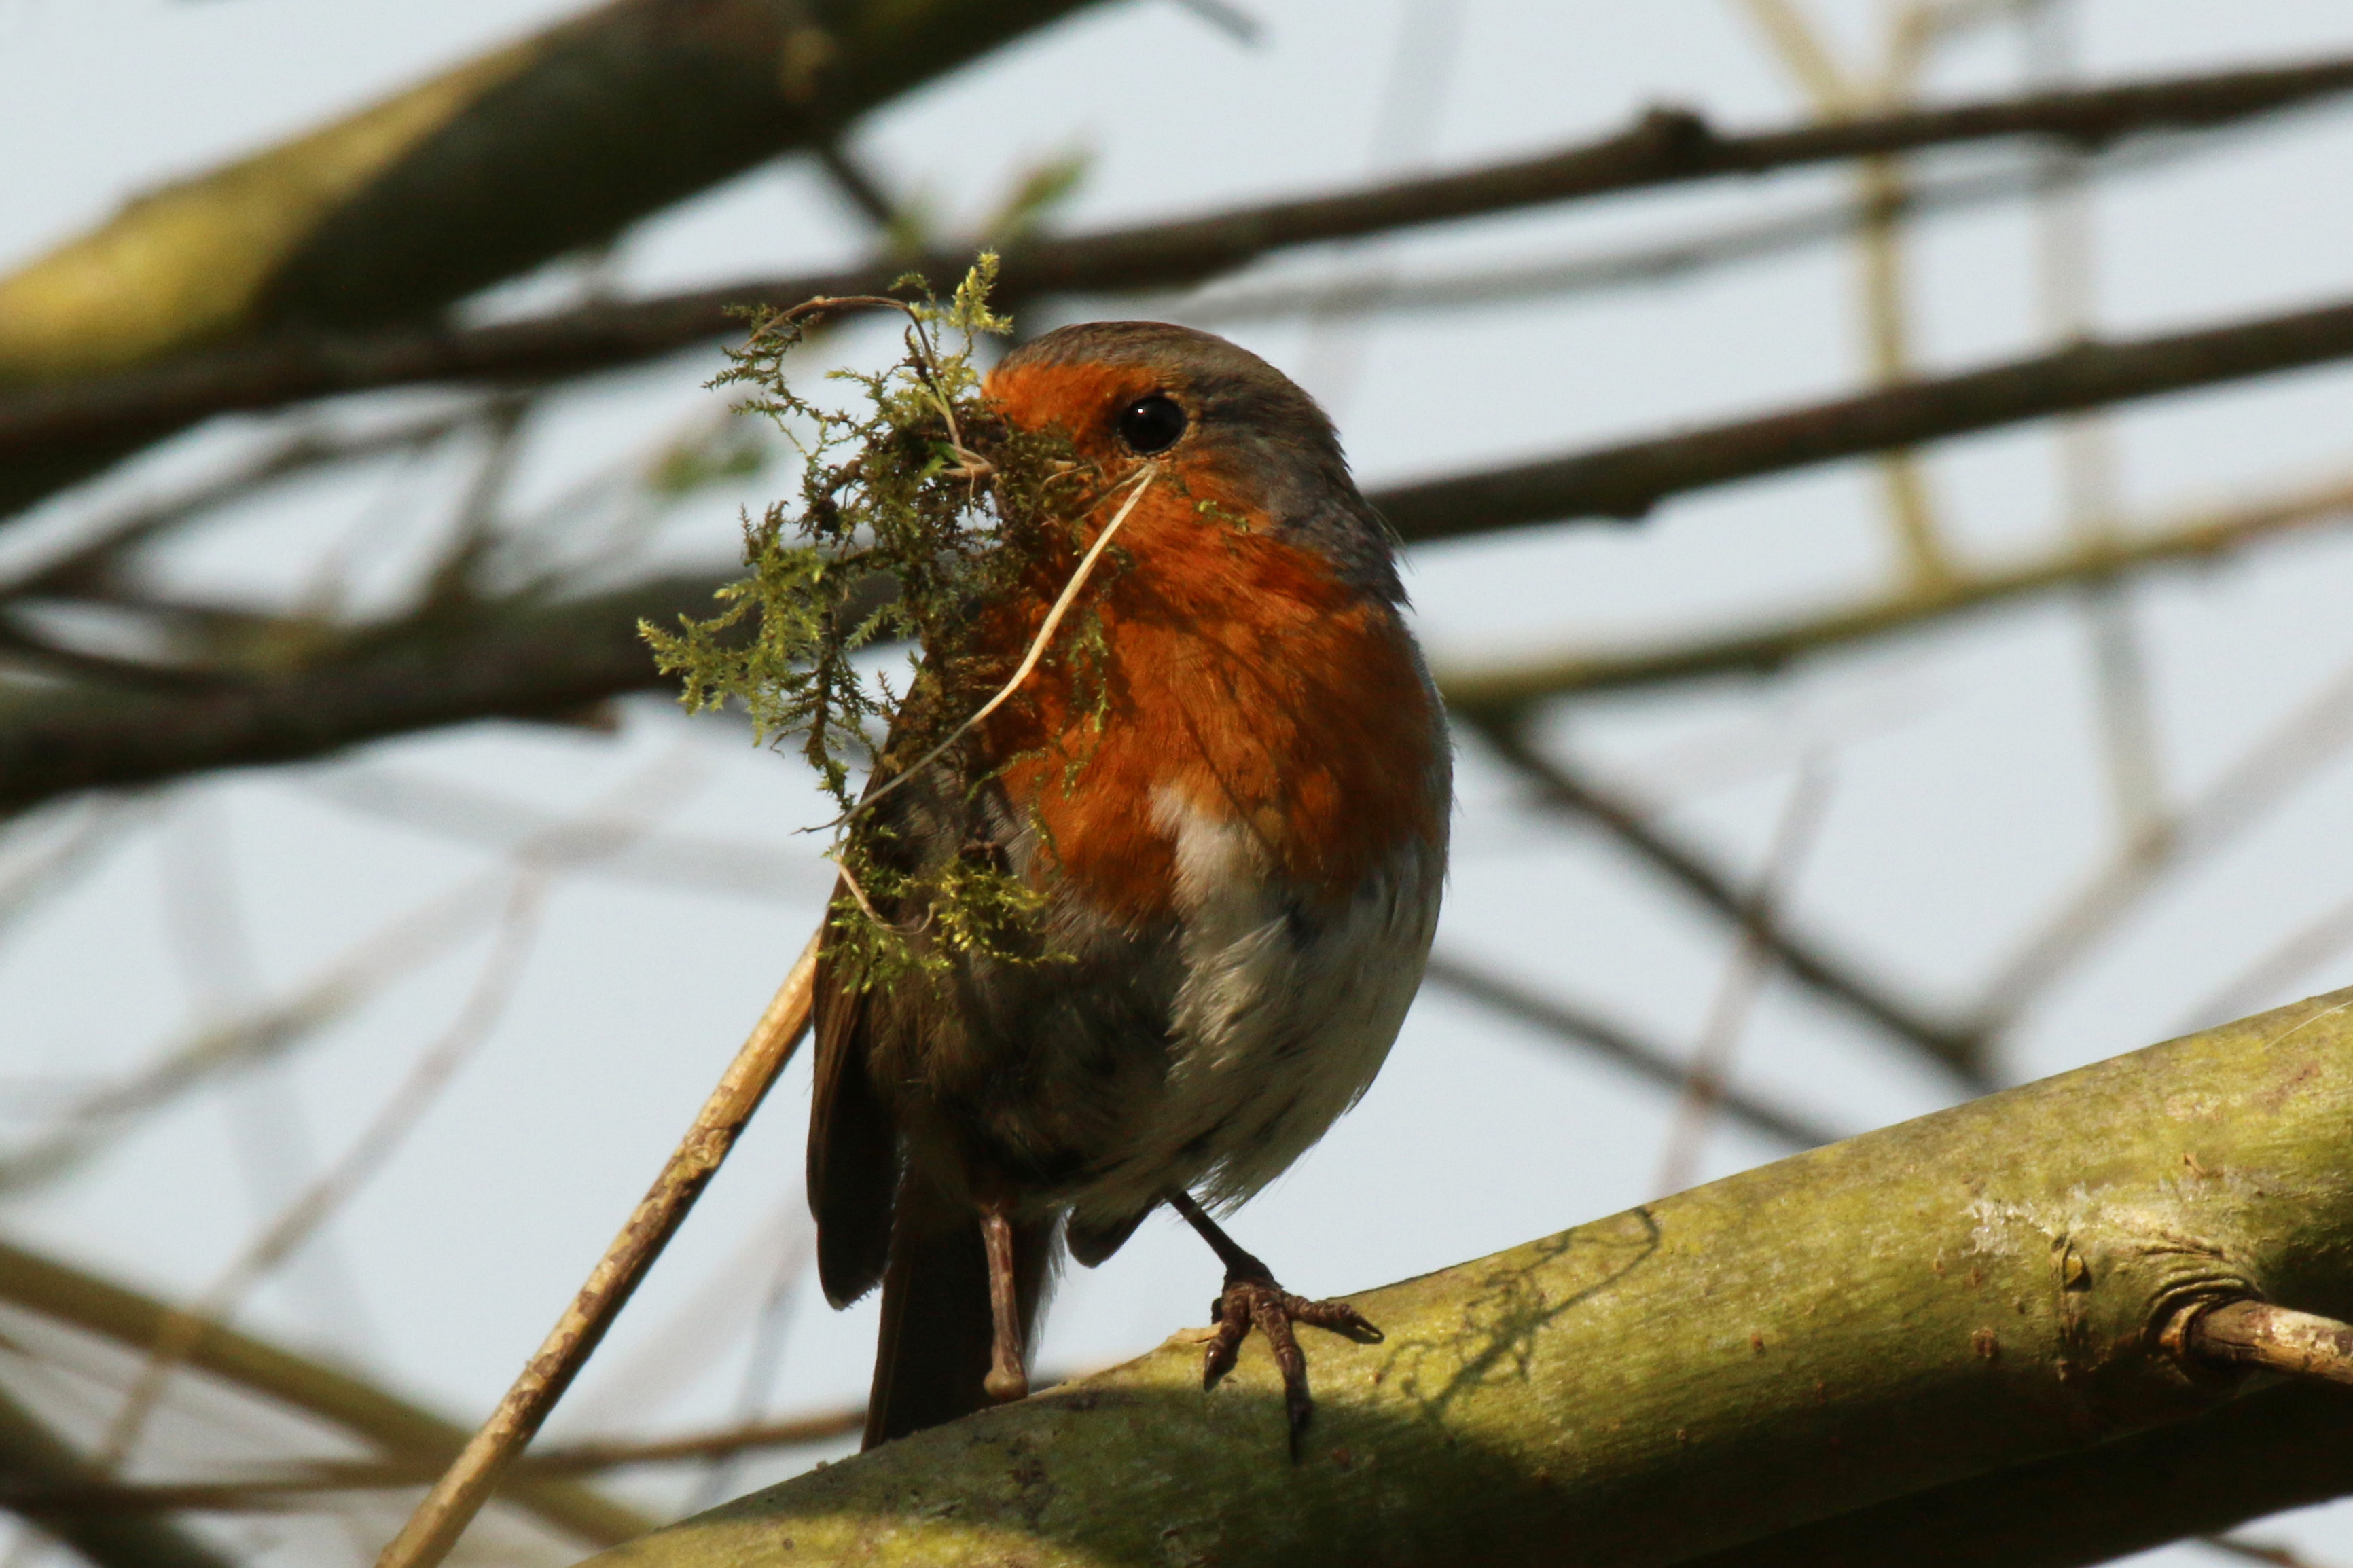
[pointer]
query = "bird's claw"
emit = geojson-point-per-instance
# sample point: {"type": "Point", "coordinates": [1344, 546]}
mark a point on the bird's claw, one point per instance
{"type": "Point", "coordinates": [1256, 1298]}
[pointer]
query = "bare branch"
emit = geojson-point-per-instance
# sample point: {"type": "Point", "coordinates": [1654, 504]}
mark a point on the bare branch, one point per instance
{"type": "Point", "coordinates": [1664, 147]}
{"type": "Point", "coordinates": [390, 1423]}
{"type": "Point", "coordinates": [37, 1459]}
{"type": "Point", "coordinates": [2277, 1338]}
{"type": "Point", "coordinates": [1371, 292]}
{"type": "Point", "coordinates": [474, 1475]}
{"type": "Point", "coordinates": [2288, 754]}
{"type": "Point", "coordinates": [511, 660]}
{"type": "Point", "coordinates": [1742, 978]}
{"type": "Point", "coordinates": [1893, 1351]}
{"type": "Point", "coordinates": [84, 565]}
{"type": "Point", "coordinates": [1626, 481]}
{"type": "Point", "coordinates": [2110, 552]}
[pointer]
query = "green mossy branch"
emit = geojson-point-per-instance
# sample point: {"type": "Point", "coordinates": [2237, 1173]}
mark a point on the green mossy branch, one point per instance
{"type": "Point", "coordinates": [917, 482]}
{"type": "Point", "coordinates": [1923, 1345]}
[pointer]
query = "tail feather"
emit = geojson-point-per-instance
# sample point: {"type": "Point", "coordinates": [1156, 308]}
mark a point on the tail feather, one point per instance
{"type": "Point", "coordinates": [937, 1334]}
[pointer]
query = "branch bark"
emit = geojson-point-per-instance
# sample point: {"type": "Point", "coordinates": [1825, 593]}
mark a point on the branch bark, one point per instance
{"type": "Point", "coordinates": [1963, 1305]}
{"type": "Point", "coordinates": [1666, 146]}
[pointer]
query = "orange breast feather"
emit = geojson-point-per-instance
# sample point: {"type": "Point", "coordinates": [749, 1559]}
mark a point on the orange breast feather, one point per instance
{"type": "Point", "coordinates": [1235, 670]}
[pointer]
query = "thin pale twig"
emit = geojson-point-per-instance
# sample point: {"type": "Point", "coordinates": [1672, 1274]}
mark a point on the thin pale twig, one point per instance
{"type": "Point", "coordinates": [1141, 479]}
{"type": "Point", "coordinates": [2064, 241]}
{"type": "Point", "coordinates": [2188, 538]}
{"type": "Point", "coordinates": [442, 1517]}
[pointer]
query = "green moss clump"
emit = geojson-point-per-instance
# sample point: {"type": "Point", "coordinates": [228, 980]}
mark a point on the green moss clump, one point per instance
{"type": "Point", "coordinates": [917, 506]}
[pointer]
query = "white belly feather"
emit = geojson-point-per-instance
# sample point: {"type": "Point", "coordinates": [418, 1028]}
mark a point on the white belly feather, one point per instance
{"type": "Point", "coordinates": [1280, 1025]}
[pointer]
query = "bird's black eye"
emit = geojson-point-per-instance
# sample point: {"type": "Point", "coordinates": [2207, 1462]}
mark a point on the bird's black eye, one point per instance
{"type": "Point", "coordinates": [1150, 424]}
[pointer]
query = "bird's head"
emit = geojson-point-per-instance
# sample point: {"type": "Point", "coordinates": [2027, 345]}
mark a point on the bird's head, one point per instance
{"type": "Point", "coordinates": [1235, 439]}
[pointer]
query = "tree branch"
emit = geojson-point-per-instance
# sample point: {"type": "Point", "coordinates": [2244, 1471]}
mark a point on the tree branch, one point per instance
{"type": "Point", "coordinates": [508, 661]}
{"type": "Point", "coordinates": [538, 660]}
{"type": "Point", "coordinates": [530, 152]}
{"type": "Point", "coordinates": [523, 155]}
{"type": "Point", "coordinates": [1948, 1308]}
{"type": "Point", "coordinates": [1664, 147]}
{"type": "Point", "coordinates": [35, 1460]}
{"type": "Point", "coordinates": [1626, 481]}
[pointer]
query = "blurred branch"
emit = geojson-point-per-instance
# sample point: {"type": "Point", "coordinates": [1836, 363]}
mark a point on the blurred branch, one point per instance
{"type": "Point", "coordinates": [2306, 948]}
{"type": "Point", "coordinates": [858, 185]}
{"type": "Point", "coordinates": [1373, 291]}
{"type": "Point", "coordinates": [623, 816]}
{"type": "Point", "coordinates": [1802, 51]}
{"type": "Point", "coordinates": [393, 1424]}
{"type": "Point", "coordinates": [1882, 183]}
{"type": "Point", "coordinates": [2255, 1552]}
{"type": "Point", "coordinates": [2089, 481]}
{"type": "Point", "coordinates": [531, 658]}
{"type": "Point", "coordinates": [2197, 538]}
{"type": "Point", "coordinates": [1834, 977]}
{"type": "Point", "coordinates": [1709, 1067]}
{"type": "Point", "coordinates": [299, 1221]}
{"type": "Point", "coordinates": [1628, 480]}
{"type": "Point", "coordinates": [1614, 1042]}
{"type": "Point", "coordinates": [29, 875]}
{"type": "Point", "coordinates": [742, 867]}
{"type": "Point", "coordinates": [94, 1119]}
{"type": "Point", "coordinates": [36, 1460]}
{"type": "Point", "coordinates": [525, 153]}
{"type": "Point", "coordinates": [86, 565]}
{"type": "Point", "coordinates": [271, 1492]}
{"type": "Point", "coordinates": [525, 658]}
{"type": "Point", "coordinates": [107, 410]}
{"type": "Point", "coordinates": [2294, 748]}
{"type": "Point", "coordinates": [554, 846]}
{"type": "Point", "coordinates": [1231, 20]}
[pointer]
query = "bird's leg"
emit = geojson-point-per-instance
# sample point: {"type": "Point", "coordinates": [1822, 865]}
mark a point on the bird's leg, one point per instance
{"type": "Point", "coordinates": [1008, 1378]}
{"type": "Point", "coordinates": [1252, 1296]}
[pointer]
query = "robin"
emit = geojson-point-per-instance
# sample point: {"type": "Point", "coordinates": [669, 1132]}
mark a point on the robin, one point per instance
{"type": "Point", "coordinates": [1234, 821]}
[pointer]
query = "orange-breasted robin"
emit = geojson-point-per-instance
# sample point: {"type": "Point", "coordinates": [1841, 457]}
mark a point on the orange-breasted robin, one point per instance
{"type": "Point", "coordinates": [1235, 820]}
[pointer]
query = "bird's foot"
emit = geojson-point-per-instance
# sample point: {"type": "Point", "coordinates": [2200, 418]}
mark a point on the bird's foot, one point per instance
{"type": "Point", "coordinates": [1252, 1296]}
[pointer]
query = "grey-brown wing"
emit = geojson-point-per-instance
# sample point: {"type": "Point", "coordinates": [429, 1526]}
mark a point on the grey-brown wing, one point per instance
{"type": "Point", "coordinates": [853, 1159]}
